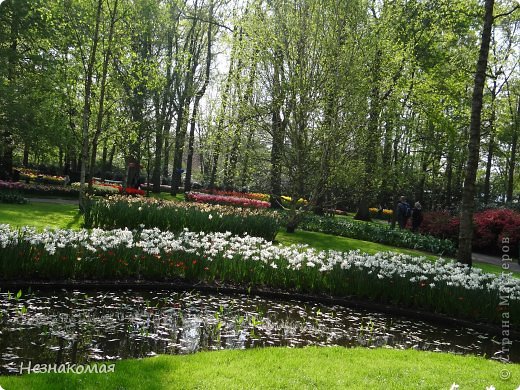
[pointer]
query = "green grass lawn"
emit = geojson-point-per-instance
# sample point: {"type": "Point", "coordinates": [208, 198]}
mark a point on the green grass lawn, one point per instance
{"type": "Point", "coordinates": [323, 241]}
{"type": "Point", "coordinates": [41, 215]}
{"type": "Point", "coordinates": [167, 196]}
{"type": "Point", "coordinates": [284, 368]}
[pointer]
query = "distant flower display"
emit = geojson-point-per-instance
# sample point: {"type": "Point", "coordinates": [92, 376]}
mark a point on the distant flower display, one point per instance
{"type": "Point", "coordinates": [200, 197]}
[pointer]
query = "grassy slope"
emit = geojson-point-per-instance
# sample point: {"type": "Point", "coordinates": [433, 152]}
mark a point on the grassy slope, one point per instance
{"type": "Point", "coordinates": [283, 368]}
{"type": "Point", "coordinates": [326, 241]}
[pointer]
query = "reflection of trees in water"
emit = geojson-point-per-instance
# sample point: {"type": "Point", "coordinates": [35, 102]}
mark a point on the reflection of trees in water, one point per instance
{"type": "Point", "coordinates": [74, 327]}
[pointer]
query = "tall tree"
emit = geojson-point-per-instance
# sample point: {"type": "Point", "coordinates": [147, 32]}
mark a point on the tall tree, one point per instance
{"type": "Point", "coordinates": [468, 196]}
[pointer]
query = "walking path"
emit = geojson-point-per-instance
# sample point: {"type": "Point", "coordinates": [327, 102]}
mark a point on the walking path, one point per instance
{"type": "Point", "coordinates": [513, 264]}
{"type": "Point", "coordinates": [53, 200]}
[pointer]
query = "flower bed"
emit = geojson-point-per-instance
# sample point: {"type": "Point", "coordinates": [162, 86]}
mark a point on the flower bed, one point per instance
{"type": "Point", "coordinates": [150, 254]}
{"type": "Point", "coordinates": [33, 175]}
{"type": "Point", "coordinates": [384, 214]}
{"type": "Point", "coordinates": [100, 190]}
{"type": "Point", "coordinates": [119, 212]}
{"type": "Point", "coordinates": [116, 188]}
{"type": "Point", "coordinates": [40, 189]}
{"type": "Point", "coordinates": [200, 197]}
{"type": "Point", "coordinates": [378, 233]}
{"type": "Point", "coordinates": [248, 195]}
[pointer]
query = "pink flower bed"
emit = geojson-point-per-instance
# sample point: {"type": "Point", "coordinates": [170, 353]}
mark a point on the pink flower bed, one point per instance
{"type": "Point", "coordinates": [9, 185]}
{"type": "Point", "coordinates": [226, 200]}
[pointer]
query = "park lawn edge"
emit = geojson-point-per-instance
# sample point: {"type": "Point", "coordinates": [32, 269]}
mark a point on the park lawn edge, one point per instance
{"type": "Point", "coordinates": [281, 367]}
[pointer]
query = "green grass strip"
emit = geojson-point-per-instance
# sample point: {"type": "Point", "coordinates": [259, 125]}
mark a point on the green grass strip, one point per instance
{"type": "Point", "coordinates": [284, 368]}
{"type": "Point", "coordinates": [41, 215]}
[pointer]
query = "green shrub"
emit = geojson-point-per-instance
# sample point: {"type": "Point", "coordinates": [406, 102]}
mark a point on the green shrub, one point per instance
{"type": "Point", "coordinates": [12, 197]}
{"type": "Point", "coordinates": [379, 233]}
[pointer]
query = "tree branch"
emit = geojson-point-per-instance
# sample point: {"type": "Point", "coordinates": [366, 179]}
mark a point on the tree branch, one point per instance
{"type": "Point", "coordinates": [506, 13]}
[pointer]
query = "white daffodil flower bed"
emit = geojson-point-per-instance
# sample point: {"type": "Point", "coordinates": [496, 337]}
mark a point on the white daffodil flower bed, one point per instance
{"type": "Point", "coordinates": [150, 254]}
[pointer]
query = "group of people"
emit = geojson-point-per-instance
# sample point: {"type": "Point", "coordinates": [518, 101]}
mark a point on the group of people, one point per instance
{"type": "Point", "coordinates": [405, 212]}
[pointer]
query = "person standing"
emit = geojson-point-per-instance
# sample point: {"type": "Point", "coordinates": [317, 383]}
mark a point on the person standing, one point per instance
{"type": "Point", "coordinates": [403, 212]}
{"type": "Point", "coordinates": [417, 216]}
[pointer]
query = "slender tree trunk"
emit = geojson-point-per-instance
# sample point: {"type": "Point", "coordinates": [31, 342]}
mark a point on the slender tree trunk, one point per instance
{"type": "Point", "coordinates": [102, 93]}
{"type": "Point", "coordinates": [110, 163]}
{"type": "Point", "coordinates": [191, 146]}
{"type": "Point", "coordinates": [449, 176]}
{"type": "Point", "coordinates": [178, 151]}
{"type": "Point", "coordinates": [278, 134]}
{"type": "Point", "coordinates": [491, 146]}
{"type": "Point", "coordinates": [199, 95]}
{"type": "Point", "coordinates": [86, 108]}
{"type": "Point", "coordinates": [6, 157]}
{"type": "Point", "coordinates": [372, 138]}
{"type": "Point", "coordinates": [166, 158]}
{"type": "Point", "coordinates": [468, 195]}
{"type": "Point", "coordinates": [104, 156]}
{"type": "Point", "coordinates": [25, 161]}
{"type": "Point", "coordinates": [163, 119]}
{"type": "Point", "coordinates": [220, 121]}
{"type": "Point", "coordinates": [512, 160]}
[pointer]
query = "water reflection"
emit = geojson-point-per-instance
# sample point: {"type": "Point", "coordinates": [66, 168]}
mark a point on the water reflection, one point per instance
{"type": "Point", "coordinates": [81, 326]}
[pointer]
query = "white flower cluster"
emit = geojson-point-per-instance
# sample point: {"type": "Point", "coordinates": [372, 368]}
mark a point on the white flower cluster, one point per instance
{"type": "Point", "coordinates": [385, 265]}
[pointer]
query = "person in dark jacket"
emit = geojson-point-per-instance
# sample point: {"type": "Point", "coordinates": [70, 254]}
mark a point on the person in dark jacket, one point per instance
{"type": "Point", "coordinates": [417, 216]}
{"type": "Point", "coordinates": [403, 212]}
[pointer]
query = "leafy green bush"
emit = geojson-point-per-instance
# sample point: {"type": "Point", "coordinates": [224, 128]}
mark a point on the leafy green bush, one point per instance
{"type": "Point", "coordinates": [136, 213]}
{"type": "Point", "coordinates": [379, 233]}
{"type": "Point", "coordinates": [12, 197]}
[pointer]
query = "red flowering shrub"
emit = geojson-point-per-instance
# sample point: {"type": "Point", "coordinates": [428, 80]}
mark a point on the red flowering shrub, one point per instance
{"type": "Point", "coordinates": [440, 224]}
{"type": "Point", "coordinates": [490, 228]}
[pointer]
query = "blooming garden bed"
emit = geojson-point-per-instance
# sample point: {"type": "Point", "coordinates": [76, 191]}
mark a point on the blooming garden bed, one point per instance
{"type": "Point", "coordinates": [442, 287]}
{"type": "Point", "coordinates": [240, 201]}
{"type": "Point", "coordinates": [132, 213]}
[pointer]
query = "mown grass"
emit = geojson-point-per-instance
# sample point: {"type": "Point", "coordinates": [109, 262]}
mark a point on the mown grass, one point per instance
{"type": "Point", "coordinates": [41, 215]}
{"type": "Point", "coordinates": [324, 241]}
{"type": "Point", "coordinates": [284, 368]}
{"type": "Point", "coordinates": [168, 196]}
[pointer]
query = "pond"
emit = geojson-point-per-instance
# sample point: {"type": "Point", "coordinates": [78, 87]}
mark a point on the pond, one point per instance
{"type": "Point", "coordinates": [78, 326]}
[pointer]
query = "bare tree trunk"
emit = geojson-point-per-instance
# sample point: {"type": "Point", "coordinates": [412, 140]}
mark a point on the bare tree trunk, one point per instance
{"type": "Point", "coordinates": [468, 195]}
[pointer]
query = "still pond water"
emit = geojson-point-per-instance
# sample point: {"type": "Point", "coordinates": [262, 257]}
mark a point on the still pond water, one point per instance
{"type": "Point", "coordinates": [79, 326]}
